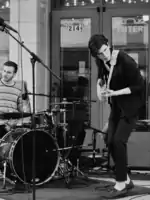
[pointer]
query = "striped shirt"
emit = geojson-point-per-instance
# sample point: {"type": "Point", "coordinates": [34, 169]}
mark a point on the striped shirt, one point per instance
{"type": "Point", "coordinates": [10, 98]}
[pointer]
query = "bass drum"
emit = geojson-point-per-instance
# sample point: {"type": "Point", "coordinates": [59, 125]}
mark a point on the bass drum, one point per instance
{"type": "Point", "coordinates": [17, 148]}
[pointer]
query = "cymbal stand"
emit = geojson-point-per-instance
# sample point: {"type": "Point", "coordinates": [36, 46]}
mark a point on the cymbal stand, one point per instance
{"type": "Point", "coordinates": [34, 59]}
{"type": "Point", "coordinates": [65, 124]}
{"type": "Point", "coordinates": [4, 178]}
{"type": "Point", "coordinates": [67, 169]}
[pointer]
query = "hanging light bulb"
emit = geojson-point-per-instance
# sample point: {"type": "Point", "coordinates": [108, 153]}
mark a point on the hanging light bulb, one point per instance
{"type": "Point", "coordinates": [92, 1]}
{"type": "Point", "coordinates": [145, 18]}
{"type": "Point", "coordinates": [7, 4]}
{"type": "Point", "coordinates": [74, 2]}
{"type": "Point", "coordinates": [83, 3]}
{"type": "Point", "coordinates": [67, 4]}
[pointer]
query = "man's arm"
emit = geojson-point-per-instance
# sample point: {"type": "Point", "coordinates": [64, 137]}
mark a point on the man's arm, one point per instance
{"type": "Point", "coordinates": [24, 105]}
{"type": "Point", "coordinates": [132, 74]}
{"type": "Point", "coordinates": [100, 87]}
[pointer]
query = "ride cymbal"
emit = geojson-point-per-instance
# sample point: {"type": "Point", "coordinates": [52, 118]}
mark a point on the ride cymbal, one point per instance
{"type": "Point", "coordinates": [14, 115]}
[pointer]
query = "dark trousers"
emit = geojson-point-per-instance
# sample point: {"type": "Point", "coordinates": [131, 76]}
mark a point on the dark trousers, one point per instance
{"type": "Point", "coordinates": [2, 131]}
{"type": "Point", "coordinates": [119, 131]}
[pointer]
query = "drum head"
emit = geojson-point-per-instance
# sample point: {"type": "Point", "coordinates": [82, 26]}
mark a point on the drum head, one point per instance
{"type": "Point", "coordinates": [46, 157]}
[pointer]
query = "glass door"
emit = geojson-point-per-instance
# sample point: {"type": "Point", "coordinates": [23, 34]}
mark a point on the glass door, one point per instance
{"type": "Point", "coordinates": [130, 32]}
{"type": "Point", "coordinates": [72, 62]}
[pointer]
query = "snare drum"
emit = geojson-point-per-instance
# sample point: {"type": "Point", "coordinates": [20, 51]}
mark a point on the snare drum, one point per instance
{"type": "Point", "coordinates": [17, 148]}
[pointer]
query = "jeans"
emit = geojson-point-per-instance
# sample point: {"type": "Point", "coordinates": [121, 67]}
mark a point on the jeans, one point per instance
{"type": "Point", "coordinates": [119, 131]}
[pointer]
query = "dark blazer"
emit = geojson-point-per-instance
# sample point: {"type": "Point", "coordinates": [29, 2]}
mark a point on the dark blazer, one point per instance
{"type": "Point", "coordinates": [127, 74]}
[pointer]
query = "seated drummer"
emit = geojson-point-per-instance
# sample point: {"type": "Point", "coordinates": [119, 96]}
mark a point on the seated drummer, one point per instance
{"type": "Point", "coordinates": [12, 97]}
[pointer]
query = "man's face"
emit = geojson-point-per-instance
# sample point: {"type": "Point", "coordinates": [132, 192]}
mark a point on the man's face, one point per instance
{"type": "Point", "coordinates": [8, 73]}
{"type": "Point", "coordinates": [104, 53]}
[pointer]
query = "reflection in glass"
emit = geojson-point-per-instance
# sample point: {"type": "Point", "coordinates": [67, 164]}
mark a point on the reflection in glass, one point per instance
{"type": "Point", "coordinates": [75, 70]}
{"type": "Point", "coordinates": [4, 4]}
{"type": "Point", "coordinates": [132, 35]}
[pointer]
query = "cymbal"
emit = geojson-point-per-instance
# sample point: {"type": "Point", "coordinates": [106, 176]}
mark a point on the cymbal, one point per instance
{"type": "Point", "coordinates": [61, 103]}
{"type": "Point", "coordinates": [144, 120]}
{"type": "Point", "coordinates": [73, 102]}
{"type": "Point", "coordinates": [39, 94]}
{"type": "Point", "coordinates": [76, 99]}
{"type": "Point", "coordinates": [14, 115]}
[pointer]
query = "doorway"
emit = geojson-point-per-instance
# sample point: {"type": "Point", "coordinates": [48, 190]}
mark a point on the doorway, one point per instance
{"type": "Point", "coordinates": [71, 31]}
{"type": "Point", "coordinates": [72, 62]}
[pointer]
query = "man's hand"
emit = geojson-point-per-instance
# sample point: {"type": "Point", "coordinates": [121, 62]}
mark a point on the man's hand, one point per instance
{"type": "Point", "coordinates": [100, 90]}
{"type": "Point", "coordinates": [109, 93]}
{"type": "Point", "coordinates": [10, 125]}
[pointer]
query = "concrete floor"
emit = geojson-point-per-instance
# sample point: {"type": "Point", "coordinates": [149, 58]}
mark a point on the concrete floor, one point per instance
{"type": "Point", "coordinates": [139, 183]}
{"type": "Point", "coordinates": [49, 192]}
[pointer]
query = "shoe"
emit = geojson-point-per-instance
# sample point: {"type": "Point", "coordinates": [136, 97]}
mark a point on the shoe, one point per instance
{"type": "Point", "coordinates": [104, 186]}
{"type": "Point", "coordinates": [113, 194]}
{"type": "Point", "coordinates": [130, 186]}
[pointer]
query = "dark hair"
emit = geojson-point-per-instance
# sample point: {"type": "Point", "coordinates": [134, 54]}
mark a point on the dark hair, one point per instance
{"type": "Point", "coordinates": [95, 43]}
{"type": "Point", "coordinates": [12, 64]}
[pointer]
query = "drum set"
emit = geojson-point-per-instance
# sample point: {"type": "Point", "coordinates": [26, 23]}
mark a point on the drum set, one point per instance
{"type": "Point", "coordinates": [51, 153]}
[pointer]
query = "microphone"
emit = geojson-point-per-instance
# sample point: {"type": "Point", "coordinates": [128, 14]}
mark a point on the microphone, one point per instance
{"type": "Point", "coordinates": [25, 96]}
{"type": "Point", "coordinates": [4, 25]}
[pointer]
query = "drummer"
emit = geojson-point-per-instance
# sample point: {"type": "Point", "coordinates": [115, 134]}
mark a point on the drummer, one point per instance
{"type": "Point", "coordinates": [12, 96]}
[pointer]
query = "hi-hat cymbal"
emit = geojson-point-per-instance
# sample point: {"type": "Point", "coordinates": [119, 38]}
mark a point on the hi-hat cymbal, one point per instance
{"type": "Point", "coordinates": [61, 103]}
{"type": "Point", "coordinates": [14, 115]}
{"type": "Point", "coordinates": [39, 94]}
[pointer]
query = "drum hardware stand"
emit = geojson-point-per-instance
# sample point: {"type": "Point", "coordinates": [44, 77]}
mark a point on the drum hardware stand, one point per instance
{"type": "Point", "coordinates": [76, 174]}
{"type": "Point", "coordinates": [66, 169]}
{"type": "Point", "coordinates": [69, 171]}
{"type": "Point", "coordinates": [14, 183]}
{"type": "Point", "coordinates": [4, 178]}
{"type": "Point", "coordinates": [101, 168]}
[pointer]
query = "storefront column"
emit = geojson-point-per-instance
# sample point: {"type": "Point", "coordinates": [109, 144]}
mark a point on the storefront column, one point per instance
{"type": "Point", "coordinates": [30, 18]}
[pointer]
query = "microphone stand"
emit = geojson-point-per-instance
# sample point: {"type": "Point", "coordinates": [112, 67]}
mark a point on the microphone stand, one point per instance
{"type": "Point", "coordinates": [34, 59]}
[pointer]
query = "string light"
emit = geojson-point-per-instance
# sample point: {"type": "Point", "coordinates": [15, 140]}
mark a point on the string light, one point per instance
{"type": "Point", "coordinates": [92, 1]}
{"type": "Point", "coordinates": [83, 3]}
{"type": "Point", "coordinates": [87, 2]}
{"type": "Point", "coordinates": [67, 4]}
{"type": "Point", "coordinates": [5, 4]}
{"type": "Point", "coordinates": [126, 1]}
{"type": "Point", "coordinates": [75, 2]}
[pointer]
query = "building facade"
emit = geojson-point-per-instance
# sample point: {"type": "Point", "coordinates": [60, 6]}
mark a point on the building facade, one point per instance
{"type": "Point", "coordinates": [58, 32]}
